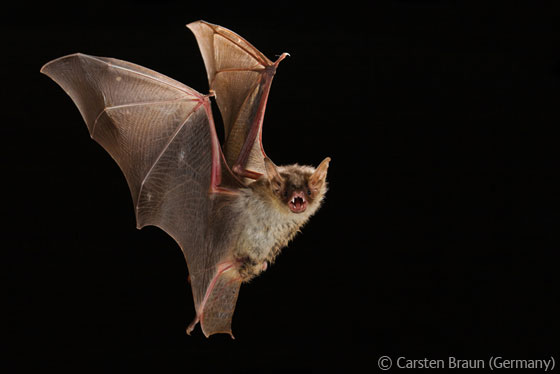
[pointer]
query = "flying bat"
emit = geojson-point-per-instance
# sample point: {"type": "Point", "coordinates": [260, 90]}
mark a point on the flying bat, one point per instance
{"type": "Point", "coordinates": [229, 207]}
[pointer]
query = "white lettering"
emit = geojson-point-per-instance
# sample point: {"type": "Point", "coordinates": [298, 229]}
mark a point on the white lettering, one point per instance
{"type": "Point", "coordinates": [425, 363]}
{"type": "Point", "coordinates": [455, 363]}
{"type": "Point", "coordinates": [503, 363]}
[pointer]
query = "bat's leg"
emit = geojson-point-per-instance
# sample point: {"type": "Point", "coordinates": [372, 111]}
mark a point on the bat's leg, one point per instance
{"type": "Point", "coordinates": [192, 325]}
{"type": "Point", "coordinates": [222, 268]}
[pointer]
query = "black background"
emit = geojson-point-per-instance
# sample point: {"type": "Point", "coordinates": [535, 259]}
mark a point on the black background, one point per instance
{"type": "Point", "coordinates": [436, 238]}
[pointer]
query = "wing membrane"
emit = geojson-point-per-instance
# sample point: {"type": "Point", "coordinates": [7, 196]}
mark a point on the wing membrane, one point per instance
{"type": "Point", "coordinates": [161, 134]}
{"type": "Point", "coordinates": [240, 75]}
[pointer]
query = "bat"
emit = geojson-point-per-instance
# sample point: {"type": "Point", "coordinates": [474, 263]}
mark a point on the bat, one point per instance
{"type": "Point", "coordinates": [229, 207]}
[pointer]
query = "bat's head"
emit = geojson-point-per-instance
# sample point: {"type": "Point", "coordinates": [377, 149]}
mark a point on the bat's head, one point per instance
{"type": "Point", "coordinates": [300, 188]}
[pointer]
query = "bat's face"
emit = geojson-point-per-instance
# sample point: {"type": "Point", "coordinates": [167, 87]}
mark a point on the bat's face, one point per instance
{"type": "Point", "coordinates": [300, 188]}
{"type": "Point", "coordinates": [295, 191]}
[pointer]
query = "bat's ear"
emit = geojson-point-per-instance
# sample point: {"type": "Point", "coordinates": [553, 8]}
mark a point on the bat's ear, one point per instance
{"type": "Point", "coordinates": [273, 175]}
{"type": "Point", "coordinates": [318, 177]}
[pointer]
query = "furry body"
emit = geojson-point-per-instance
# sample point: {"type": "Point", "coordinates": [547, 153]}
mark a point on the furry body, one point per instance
{"type": "Point", "coordinates": [266, 222]}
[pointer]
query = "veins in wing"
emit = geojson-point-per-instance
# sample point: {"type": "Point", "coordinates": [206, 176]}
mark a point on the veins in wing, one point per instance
{"type": "Point", "coordinates": [171, 190]}
{"type": "Point", "coordinates": [169, 141]}
{"type": "Point", "coordinates": [104, 110]}
{"type": "Point", "coordinates": [173, 136]}
{"type": "Point", "coordinates": [259, 57]}
{"type": "Point", "coordinates": [178, 86]}
{"type": "Point", "coordinates": [261, 61]}
{"type": "Point", "coordinates": [188, 95]}
{"type": "Point", "coordinates": [243, 104]}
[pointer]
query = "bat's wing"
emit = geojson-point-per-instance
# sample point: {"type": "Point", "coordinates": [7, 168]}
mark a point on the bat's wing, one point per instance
{"type": "Point", "coordinates": [161, 134]}
{"type": "Point", "coordinates": [240, 76]}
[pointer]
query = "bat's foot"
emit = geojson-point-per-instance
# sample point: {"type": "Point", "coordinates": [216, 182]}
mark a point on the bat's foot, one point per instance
{"type": "Point", "coordinates": [248, 268]}
{"type": "Point", "coordinates": [193, 324]}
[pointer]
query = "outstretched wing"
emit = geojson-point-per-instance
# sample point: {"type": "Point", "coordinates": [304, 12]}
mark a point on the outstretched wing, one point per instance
{"type": "Point", "coordinates": [161, 134]}
{"type": "Point", "coordinates": [240, 76]}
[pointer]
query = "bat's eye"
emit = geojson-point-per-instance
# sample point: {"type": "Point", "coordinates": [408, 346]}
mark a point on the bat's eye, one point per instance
{"type": "Point", "coordinates": [285, 194]}
{"type": "Point", "coordinates": [308, 192]}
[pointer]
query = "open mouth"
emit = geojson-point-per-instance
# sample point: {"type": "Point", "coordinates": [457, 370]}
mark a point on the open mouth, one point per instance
{"type": "Point", "coordinates": [298, 203]}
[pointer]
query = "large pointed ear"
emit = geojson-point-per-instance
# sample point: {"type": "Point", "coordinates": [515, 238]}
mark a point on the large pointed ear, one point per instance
{"type": "Point", "coordinates": [318, 177]}
{"type": "Point", "coordinates": [273, 175]}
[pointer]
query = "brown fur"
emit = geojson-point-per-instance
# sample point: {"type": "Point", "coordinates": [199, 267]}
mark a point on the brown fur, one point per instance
{"type": "Point", "coordinates": [268, 223]}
